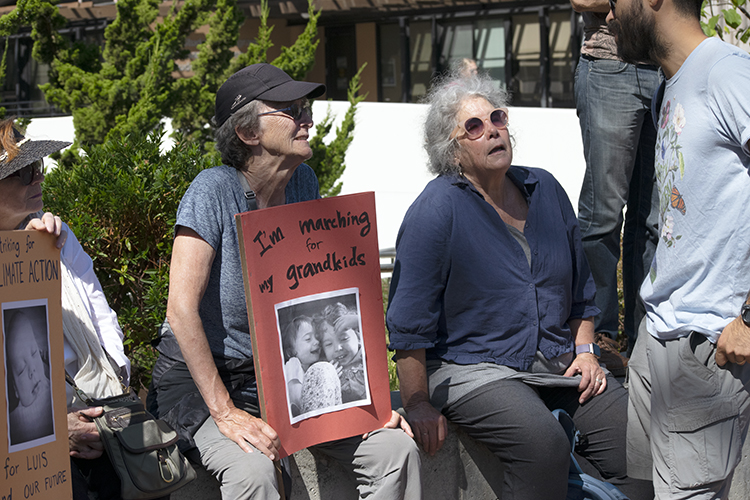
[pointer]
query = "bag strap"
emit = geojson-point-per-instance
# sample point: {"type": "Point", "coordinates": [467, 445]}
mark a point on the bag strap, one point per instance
{"type": "Point", "coordinates": [79, 392]}
{"type": "Point", "coordinates": [252, 204]}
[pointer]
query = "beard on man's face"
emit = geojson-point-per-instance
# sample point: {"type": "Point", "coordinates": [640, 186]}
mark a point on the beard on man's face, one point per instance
{"type": "Point", "coordinates": [636, 37]}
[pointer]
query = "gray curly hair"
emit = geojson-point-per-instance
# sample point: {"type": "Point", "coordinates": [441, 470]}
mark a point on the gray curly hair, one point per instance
{"type": "Point", "coordinates": [446, 99]}
{"type": "Point", "coordinates": [234, 152]}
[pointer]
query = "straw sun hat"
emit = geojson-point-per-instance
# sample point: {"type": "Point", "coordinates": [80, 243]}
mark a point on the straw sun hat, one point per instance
{"type": "Point", "coordinates": [28, 152]}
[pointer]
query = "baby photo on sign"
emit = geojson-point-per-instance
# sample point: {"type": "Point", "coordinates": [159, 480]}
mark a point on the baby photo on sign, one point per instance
{"type": "Point", "coordinates": [27, 374]}
{"type": "Point", "coordinates": [323, 353]}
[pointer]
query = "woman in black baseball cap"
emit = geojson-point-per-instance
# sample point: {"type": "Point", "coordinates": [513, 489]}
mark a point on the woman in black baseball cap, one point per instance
{"type": "Point", "coordinates": [263, 119]}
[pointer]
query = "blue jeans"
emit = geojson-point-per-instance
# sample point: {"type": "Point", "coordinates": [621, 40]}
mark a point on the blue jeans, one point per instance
{"type": "Point", "coordinates": [613, 101]}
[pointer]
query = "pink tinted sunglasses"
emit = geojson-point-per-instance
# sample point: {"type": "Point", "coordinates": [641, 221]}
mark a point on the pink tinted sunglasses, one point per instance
{"type": "Point", "coordinates": [474, 127]}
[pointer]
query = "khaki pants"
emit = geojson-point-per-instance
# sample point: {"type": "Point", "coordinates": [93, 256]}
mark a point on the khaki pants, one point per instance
{"type": "Point", "coordinates": [687, 417]}
{"type": "Point", "coordinates": [386, 465]}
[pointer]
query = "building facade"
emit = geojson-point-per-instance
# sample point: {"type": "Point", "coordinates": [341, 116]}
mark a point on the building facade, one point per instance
{"type": "Point", "coordinates": [529, 47]}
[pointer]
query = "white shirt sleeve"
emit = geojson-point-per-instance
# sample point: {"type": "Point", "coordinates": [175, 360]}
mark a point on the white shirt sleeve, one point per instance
{"type": "Point", "coordinates": [102, 316]}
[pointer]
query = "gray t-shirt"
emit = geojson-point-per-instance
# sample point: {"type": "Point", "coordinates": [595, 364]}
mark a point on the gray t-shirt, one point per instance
{"type": "Point", "coordinates": [208, 208]}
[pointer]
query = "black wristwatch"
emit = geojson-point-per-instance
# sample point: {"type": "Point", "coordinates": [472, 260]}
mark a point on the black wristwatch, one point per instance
{"type": "Point", "coordinates": [745, 314]}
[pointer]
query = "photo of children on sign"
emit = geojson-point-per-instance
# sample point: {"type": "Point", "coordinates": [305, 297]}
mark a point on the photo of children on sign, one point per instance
{"type": "Point", "coordinates": [323, 353]}
{"type": "Point", "coordinates": [27, 374]}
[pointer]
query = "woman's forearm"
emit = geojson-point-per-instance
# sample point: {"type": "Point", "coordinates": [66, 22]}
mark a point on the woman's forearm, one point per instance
{"type": "Point", "coordinates": [412, 375]}
{"type": "Point", "coordinates": [429, 425]}
{"type": "Point", "coordinates": [188, 330]}
{"type": "Point", "coordinates": [582, 330]}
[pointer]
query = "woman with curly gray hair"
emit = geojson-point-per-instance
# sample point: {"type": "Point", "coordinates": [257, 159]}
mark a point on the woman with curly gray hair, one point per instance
{"type": "Point", "coordinates": [492, 303]}
{"type": "Point", "coordinates": [446, 100]}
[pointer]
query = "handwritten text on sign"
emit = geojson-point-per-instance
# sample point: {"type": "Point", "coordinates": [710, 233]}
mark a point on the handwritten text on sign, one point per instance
{"type": "Point", "coordinates": [17, 272]}
{"type": "Point", "coordinates": [335, 260]}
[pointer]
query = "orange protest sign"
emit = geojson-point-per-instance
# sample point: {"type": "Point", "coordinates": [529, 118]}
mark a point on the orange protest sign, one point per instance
{"type": "Point", "coordinates": [312, 284]}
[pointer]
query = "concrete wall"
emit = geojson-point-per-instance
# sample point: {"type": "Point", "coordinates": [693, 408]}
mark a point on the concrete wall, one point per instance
{"type": "Point", "coordinates": [386, 155]}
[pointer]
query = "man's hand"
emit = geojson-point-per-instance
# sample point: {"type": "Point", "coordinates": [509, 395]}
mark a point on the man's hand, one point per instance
{"type": "Point", "coordinates": [83, 437]}
{"type": "Point", "coordinates": [243, 428]}
{"type": "Point", "coordinates": [600, 6]}
{"type": "Point", "coordinates": [733, 345]}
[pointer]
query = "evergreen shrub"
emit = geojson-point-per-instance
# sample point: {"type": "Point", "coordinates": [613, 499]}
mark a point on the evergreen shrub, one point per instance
{"type": "Point", "coordinates": [120, 198]}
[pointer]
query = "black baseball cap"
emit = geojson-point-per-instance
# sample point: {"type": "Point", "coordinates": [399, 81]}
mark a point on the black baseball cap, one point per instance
{"type": "Point", "coordinates": [260, 81]}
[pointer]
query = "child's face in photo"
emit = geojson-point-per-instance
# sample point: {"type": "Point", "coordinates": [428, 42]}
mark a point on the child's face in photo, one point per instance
{"type": "Point", "coordinates": [25, 362]}
{"type": "Point", "coordinates": [327, 337]}
{"type": "Point", "coordinates": [306, 345]}
{"type": "Point", "coordinates": [341, 347]}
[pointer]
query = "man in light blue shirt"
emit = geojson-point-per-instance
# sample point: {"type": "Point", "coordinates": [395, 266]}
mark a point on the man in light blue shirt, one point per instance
{"type": "Point", "coordinates": [689, 401]}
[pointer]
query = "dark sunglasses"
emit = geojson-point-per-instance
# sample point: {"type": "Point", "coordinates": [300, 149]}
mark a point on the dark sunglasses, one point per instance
{"type": "Point", "coordinates": [475, 126]}
{"type": "Point", "coordinates": [29, 172]}
{"type": "Point", "coordinates": [294, 111]}
{"type": "Point", "coordinates": [612, 4]}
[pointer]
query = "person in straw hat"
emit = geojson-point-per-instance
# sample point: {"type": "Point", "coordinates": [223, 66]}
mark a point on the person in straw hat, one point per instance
{"type": "Point", "coordinates": [94, 354]}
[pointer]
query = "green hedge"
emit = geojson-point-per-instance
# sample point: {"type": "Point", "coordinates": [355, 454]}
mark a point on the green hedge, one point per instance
{"type": "Point", "coordinates": [120, 199]}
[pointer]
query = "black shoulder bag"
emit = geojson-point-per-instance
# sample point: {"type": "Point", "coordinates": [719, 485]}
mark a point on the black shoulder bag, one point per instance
{"type": "Point", "coordinates": [143, 450]}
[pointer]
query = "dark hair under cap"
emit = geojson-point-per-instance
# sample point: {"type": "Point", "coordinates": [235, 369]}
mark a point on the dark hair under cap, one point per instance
{"type": "Point", "coordinates": [18, 151]}
{"type": "Point", "coordinates": [260, 81]}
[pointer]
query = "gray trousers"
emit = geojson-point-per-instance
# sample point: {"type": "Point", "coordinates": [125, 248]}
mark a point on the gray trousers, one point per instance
{"type": "Point", "coordinates": [386, 465]}
{"type": "Point", "coordinates": [687, 417]}
{"type": "Point", "coordinates": [510, 412]}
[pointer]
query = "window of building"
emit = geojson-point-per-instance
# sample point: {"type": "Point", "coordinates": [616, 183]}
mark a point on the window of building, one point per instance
{"type": "Point", "coordinates": [341, 61]}
{"type": "Point", "coordinates": [456, 42]}
{"type": "Point", "coordinates": [507, 47]}
{"type": "Point", "coordinates": [21, 95]}
{"type": "Point", "coordinates": [389, 36]}
{"type": "Point", "coordinates": [483, 41]}
{"type": "Point", "coordinates": [420, 61]}
{"type": "Point", "coordinates": [490, 50]}
{"type": "Point", "coordinates": [525, 84]}
{"type": "Point", "coordinates": [561, 69]}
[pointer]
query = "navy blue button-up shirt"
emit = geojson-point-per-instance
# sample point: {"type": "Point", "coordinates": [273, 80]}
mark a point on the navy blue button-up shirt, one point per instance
{"type": "Point", "coordinates": [462, 287]}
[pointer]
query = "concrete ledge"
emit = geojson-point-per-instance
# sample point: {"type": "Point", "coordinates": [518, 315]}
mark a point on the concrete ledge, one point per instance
{"type": "Point", "coordinates": [462, 470]}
